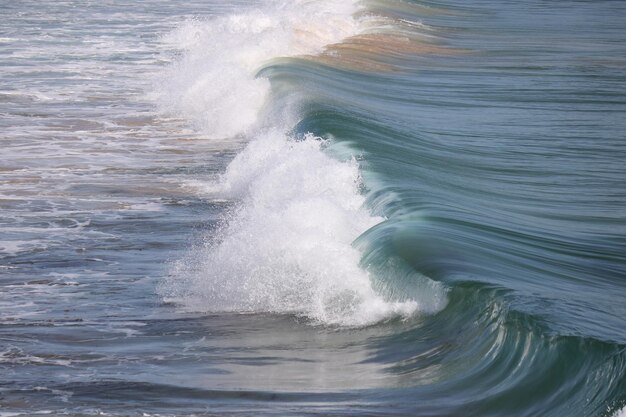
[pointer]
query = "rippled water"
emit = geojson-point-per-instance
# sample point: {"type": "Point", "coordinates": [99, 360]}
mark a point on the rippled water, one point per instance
{"type": "Point", "coordinates": [313, 207]}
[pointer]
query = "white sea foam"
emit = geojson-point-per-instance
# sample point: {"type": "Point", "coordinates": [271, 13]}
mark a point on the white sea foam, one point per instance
{"type": "Point", "coordinates": [288, 247]}
{"type": "Point", "coordinates": [214, 82]}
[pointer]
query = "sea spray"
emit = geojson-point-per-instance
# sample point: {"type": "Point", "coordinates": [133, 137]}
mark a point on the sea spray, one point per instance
{"type": "Point", "coordinates": [214, 82]}
{"type": "Point", "coordinates": [287, 248]}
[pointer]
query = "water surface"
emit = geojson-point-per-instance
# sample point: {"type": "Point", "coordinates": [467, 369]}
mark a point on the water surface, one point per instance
{"type": "Point", "coordinates": [313, 208]}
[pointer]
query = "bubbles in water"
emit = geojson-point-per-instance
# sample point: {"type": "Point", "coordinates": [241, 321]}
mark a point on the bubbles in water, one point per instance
{"type": "Point", "coordinates": [621, 413]}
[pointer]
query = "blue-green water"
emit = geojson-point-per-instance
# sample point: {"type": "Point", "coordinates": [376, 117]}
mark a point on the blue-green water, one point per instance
{"type": "Point", "coordinates": [313, 208]}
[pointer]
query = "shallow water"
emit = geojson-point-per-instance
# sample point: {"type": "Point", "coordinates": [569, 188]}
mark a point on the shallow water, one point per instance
{"type": "Point", "coordinates": [324, 207]}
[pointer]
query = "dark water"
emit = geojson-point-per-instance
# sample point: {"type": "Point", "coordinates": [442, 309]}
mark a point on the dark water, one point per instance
{"type": "Point", "coordinates": [226, 216]}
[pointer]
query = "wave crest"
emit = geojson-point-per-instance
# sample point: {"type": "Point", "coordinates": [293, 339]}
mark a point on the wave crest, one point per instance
{"type": "Point", "coordinates": [214, 82]}
{"type": "Point", "coordinates": [287, 248]}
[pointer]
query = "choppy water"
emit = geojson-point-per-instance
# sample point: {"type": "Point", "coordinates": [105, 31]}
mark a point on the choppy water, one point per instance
{"type": "Point", "coordinates": [313, 208]}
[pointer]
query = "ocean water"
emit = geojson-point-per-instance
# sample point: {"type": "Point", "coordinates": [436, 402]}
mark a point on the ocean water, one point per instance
{"type": "Point", "coordinates": [313, 207]}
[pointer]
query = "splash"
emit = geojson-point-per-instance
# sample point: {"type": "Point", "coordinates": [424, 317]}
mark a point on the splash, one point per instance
{"type": "Point", "coordinates": [214, 84]}
{"type": "Point", "coordinates": [288, 247]}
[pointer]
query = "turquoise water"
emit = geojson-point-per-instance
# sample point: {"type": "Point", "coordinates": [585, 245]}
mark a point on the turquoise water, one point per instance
{"type": "Point", "coordinates": [313, 208]}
